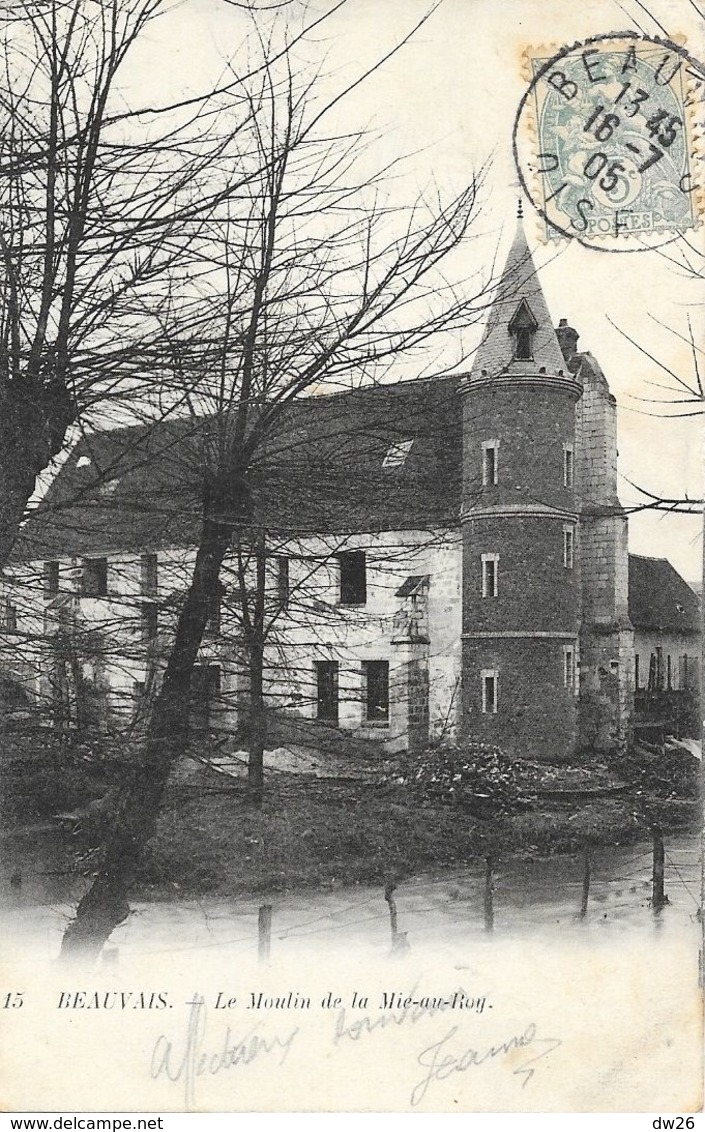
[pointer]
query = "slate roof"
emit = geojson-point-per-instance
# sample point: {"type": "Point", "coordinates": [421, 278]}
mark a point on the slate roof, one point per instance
{"type": "Point", "coordinates": [659, 599]}
{"type": "Point", "coordinates": [139, 488]}
{"type": "Point", "coordinates": [519, 284]}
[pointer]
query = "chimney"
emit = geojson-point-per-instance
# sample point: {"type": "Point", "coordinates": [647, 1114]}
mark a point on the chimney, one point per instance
{"type": "Point", "coordinates": [567, 340]}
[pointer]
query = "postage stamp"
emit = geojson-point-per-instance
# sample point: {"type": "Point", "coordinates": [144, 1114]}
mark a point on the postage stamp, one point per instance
{"type": "Point", "coordinates": [606, 138]}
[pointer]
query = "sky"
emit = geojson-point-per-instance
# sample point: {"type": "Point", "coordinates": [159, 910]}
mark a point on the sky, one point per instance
{"type": "Point", "coordinates": [449, 100]}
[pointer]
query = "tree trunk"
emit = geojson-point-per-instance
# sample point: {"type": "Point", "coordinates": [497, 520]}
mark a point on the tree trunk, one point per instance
{"type": "Point", "coordinates": [258, 715]}
{"type": "Point", "coordinates": [34, 420]}
{"type": "Point", "coordinates": [79, 689]}
{"type": "Point", "coordinates": [258, 725]}
{"type": "Point", "coordinates": [105, 905]}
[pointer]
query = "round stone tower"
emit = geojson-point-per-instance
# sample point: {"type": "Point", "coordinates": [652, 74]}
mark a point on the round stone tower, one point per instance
{"type": "Point", "coordinates": [521, 584]}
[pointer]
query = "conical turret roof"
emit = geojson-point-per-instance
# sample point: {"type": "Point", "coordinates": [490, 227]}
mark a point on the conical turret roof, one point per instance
{"type": "Point", "coordinates": [518, 302]}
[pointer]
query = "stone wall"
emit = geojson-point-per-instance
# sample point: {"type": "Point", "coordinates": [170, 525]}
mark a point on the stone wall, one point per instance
{"type": "Point", "coordinates": [536, 716]}
{"type": "Point", "coordinates": [606, 636]}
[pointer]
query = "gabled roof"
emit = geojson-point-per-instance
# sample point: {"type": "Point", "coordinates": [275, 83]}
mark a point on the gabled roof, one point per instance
{"type": "Point", "coordinates": [659, 599]}
{"type": "Point", "coordinates": [518, 295]}
{"type": "Point", "coordinates": [321, 470]}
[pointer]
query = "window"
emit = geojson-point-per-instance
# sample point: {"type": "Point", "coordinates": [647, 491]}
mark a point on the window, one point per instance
{"type": "Point", "coordinates": [568, 465]}
{"type": "Point", "coordinates": [10, 616]}
{"type": "Point", "coordinates": [327, 691]}
{"type": "Point", "coordinates": [94, 580]}
{"type": "Point", "coordinates": [569, 667]}
{"type": "Point", "coordinates": [149, 576]}
{"type": "Point", "coordinates": [206, 683]}
{"type": "Point", "coordinates": [376, 690]}
{"type": "Point", "coordinates": [522, 327]}
{"type": "Point", "coordinates": [568, 547]}
{"type": "Point", "coordinates": [669, 673]}
{"type": "Point", "coordinates": [51, 578]}
{"type": "Point", "coordinates": [353, 578]}
{"type": "Point", "coordinates": [656, 670]}
{"type": "Point", "coordinates": [489, 678]}
{"type": "Point", "coordinates": [148, 614]}
{"type": "Point", "coordinates": [524, 340]}
{"type": "Point", "coordinates": [490, 454]}
{"type": "Point", "coordinates": [283, 581]}
{"type": "Point", "coordinates": [107, 487]}
{"type": "Point", "coordinates": [214, 611]}
{"type": "Point", "coordinates": [636, 670]}
{"type": "Point", "coordinates": [138, 689]}
{"type": "Point", "coordinates": [397, 454]}
{"type": "Point", "coordinates": [490, 569]}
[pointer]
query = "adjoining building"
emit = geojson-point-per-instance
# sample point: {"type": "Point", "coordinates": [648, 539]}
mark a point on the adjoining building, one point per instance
{"type": "Point", "coordinates": [442, 558]}
{"type": "Point", "coordinates": [666, 616]}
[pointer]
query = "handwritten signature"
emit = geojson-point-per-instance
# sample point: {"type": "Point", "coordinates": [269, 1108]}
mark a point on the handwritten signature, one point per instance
{"type": "Point", "coordinates": [440, 1061]}
{"type": "Point", "coordinates": [194, 1060]}
{"type": "Point", "coordinates": [413, 1012]}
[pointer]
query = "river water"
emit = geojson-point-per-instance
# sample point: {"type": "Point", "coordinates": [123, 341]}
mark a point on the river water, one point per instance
{"type": "Point", "coordinates": [529, 896]}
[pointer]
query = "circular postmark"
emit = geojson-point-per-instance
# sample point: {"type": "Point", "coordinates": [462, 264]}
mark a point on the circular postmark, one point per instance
{"type": "Point", "coordinates": [606, 140]}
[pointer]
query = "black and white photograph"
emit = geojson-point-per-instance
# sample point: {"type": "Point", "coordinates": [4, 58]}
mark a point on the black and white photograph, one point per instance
{"type": "Point", "coordinates": [351, 564]}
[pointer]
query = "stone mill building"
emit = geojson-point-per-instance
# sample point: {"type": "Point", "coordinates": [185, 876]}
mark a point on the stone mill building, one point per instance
{"type": "Point", "coordinates": [445, 558]}
{"type": "Point", "coordinates": [545, 561]}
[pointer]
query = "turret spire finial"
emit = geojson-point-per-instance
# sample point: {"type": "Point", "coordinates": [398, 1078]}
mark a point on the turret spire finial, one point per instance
{"type": "Point", "coordinates": [520, 209]}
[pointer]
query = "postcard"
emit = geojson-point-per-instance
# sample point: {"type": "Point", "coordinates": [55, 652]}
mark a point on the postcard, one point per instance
{"type": "Point", "coordinates": [351, 545]}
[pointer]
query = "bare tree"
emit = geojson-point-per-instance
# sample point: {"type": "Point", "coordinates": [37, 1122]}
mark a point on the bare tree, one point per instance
{"type": "Point", "coordinates": [100, 204]}
{"type": "Point", "coordinates": [675, 395]}
{"type": "Point", "coordinates": [313, 278]}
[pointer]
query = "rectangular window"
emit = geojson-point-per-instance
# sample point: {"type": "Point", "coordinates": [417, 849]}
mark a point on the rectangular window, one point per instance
{"type": "Point", "coordinates": [10, 616]}
{"type": "Point", "coordinates": [206, 686]}
{"type": "Point", "coordinates": [149, 618]}
{"type": "Point", "coordinates": [353, 577]}
{"type": "Point", "coordinates": [524, 342]}
{"type": "Point", "coordinates": [283, 581]}
{"type": "Point", "coordinates": [138, 689]}
{"type": "Point", "coordinates": [669, 673]}
{"type": "Point", "coordinates": [149, 575]}
{"type": "Point", "coordinates": [51, 578]}
{"type": "Point", "coordinates": [568, 547]}
{"type": "Point", "coordinates": [490, 570]}
{"type": "Point", "coordinates": [569, 667]}
{"type": "Point", "coordinates": [376, 690]}
{"type": "Point", "coordinates": [489, 678]}
{"type": "Point", "coordinates": [568, 466]}
{"type": "Point", "coordinates": [214, 613]}
{"type": "Point", "coordinates": [94, 578]}
{"type": "Point", "coordinates": [636, 671]}
{"type": "Point", "coordinates": [327, 691]}
{"type": "Point", "coordinates": [490, 462]}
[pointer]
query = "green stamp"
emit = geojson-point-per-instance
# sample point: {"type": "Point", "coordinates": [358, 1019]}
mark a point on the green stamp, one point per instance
{"type": "Point", "coordinates": [606, 139]}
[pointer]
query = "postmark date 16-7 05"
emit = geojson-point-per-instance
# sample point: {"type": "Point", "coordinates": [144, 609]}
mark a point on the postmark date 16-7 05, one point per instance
{"type": "Point", "coordinates": [605, 138]}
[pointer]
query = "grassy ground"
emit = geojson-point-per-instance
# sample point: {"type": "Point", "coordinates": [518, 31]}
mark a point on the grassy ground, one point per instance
{"type": "Point", "coordinates": [310, 832]}
{"type": "Point", "coordinates": [321, 833]}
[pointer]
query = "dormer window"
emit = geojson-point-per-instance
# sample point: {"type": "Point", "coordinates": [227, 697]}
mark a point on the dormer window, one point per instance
{"type": "Point", "coordinates": [107, 487]}
{"type": "Point", "coordinates": [397, 453]}
{"type": "Point", "coordinates": [522, 328]}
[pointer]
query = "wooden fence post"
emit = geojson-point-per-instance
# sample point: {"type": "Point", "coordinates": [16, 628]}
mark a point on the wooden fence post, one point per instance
{"type": "Point", "coordinates": [399, 940]}
{"type": "Point", "coordinates": [658, 895]}
{"type": "Point", "coordinates": [489, 894]}
{"type": "Point", "coordinates": [586, 883]}
{"type": "Point", "coordinates": [265, 932]}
